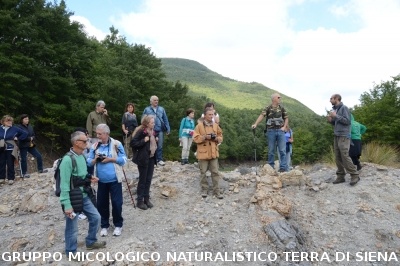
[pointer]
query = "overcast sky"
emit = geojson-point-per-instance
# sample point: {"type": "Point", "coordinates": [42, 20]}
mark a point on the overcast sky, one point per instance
{"type": "Point", "coordinates": [306, 49]}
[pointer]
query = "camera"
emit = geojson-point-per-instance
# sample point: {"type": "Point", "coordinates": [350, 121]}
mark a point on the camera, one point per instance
{"type": "Point", "coordinates": [101, 157]}
{"type": "Point", "coordinates": [213, 136]}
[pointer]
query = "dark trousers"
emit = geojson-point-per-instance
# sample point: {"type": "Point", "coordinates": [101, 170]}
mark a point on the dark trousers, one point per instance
{"type": "Point", "coordinates": [35, 153]}
{"type": "Point", "coordinates": [105, 190]}
{"type": "Point", "coordinates": [7, 161]}
{"type": "Point", "coordinates": [145, 176]}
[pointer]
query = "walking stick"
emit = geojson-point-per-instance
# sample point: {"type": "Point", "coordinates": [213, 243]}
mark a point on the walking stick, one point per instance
{"type": "Point", "coordinates": [20, 164]}
{"type": "Point", "coordinates": [130, 193]}
{"type": "Point", "coordinates": [255, 149]}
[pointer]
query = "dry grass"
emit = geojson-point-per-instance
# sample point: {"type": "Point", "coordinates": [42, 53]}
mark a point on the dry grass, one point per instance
{"type": "Point", "coordinates": [329, 157]}
{"type": "Point", "coordinates": [382, 154]}
{"type": "Point", "coordinates": [372, 152]}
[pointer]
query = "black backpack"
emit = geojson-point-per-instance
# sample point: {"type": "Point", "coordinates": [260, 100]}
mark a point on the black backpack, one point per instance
{"type": "Point", "coordinates": [57, 176]}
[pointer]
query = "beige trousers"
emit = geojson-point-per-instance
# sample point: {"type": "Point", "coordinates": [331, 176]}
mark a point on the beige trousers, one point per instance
{"type": "Point", "coordinates": [343, 161]}
{"type": "Point", "coordinates": [211, 165]}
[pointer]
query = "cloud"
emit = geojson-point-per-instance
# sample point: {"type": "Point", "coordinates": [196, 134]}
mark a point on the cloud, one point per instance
{"type": "Point", "coordinates": [256, 40]}
{"type": "Point", "coordinates": [90, 30]}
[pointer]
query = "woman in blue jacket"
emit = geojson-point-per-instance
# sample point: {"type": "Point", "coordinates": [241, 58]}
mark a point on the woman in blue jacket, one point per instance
{"type": "Point", "coordinates": [28, 145]}
{"type": "Point", "coordinates": [9, 134]}
{"type": "Point", "coordinates": [185, 134]}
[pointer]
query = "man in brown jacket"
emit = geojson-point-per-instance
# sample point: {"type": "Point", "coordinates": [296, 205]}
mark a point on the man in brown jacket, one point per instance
{"type": "Point", "coordinates": [208, 135]}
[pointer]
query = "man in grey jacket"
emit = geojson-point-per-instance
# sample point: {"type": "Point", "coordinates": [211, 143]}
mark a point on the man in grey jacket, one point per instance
{"type": "Point", "coordinates": [339, 117]}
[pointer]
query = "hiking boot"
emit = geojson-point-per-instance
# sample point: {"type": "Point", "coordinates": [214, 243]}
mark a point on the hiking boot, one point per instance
{"type": "Point", "coordinates": [354, 180]}
{"type": "Point", "coordinates": [96, 245]}
{"type": "Point", "coordinates": [148, 203]}
{"type": "Point", "coordinates": [359, 166]}
{"type": "Point", "coordinates": [183, 162]}
{"type": "Point", "coordinates": [117, 231]}
{"type": "Point", "coordinates": [43, 171]}
{"type": "Point", "coordinates": [219, 196]}
{"type": "Point", "coordinates": [282, 170]}
{"type": "Point", "coordinates": [104, 232]}
{"type": "Point", "coordinates": [141, 205]}
{"type": "Point", "coordinates": [339, 180]}
{"type": "Point", "coordinates": [186, 161]}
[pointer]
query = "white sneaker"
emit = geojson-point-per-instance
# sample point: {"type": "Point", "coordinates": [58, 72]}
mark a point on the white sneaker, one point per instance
{"type": "Point", "coordinates": [82, 216]}
{"type": "Point", "coordinates": [2, 181]}
{"type": "Point", "coordinates": [161, 163]}
{"type": "Point", "coordinates": [117, 231]}
{"type": "Point", "coordinates": [104, 232]}
{"type": "Point", "coordinates": [10, 182]}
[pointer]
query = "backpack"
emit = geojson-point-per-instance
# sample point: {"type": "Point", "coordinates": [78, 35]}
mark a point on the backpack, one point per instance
{"type": "Point", "coordinates": [57, 176]}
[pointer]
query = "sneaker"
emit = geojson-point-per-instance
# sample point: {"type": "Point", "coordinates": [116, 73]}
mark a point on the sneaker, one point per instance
{"type": "Point", "coordinates": [104, 232]}
{"type": "Point", "coordinates": [2, 181]}
{"type": "Point", "coordinates": [96, 245]}
{"type": "Point", "coordinates": [117, 231]}
{"type": "Point", "coordinates": [82, 217]}
{"type": "Point", "coordinates": [26, 176]}
{"type": "Point", "coordinates": [10, 182]}
{"type": "Point", "coordinates": [43, 171]}
{"type": "Point", "coordinates": [161, 163]}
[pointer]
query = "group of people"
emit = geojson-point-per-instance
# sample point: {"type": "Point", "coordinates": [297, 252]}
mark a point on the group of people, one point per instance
{"type": "Point", "coordinates": [16, 141]}
{"type": "Point", "coordinates": [97, 158]}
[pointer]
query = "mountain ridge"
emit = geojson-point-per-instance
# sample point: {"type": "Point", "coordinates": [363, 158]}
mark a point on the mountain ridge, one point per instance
{"type": "Point", "coordinates": [225, 91]}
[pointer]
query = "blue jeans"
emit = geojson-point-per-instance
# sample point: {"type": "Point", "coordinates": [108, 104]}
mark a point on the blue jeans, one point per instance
{"type": "Point", "coordinates": [103, 203]}
{"type": "Point", "coordinates": [35, 153]}
{"type": "Point", "coordinates": [276, 137]}
{"type": "Point", "coordinates": [71, 227]}
{"type": "Point", "coordinates": [160, 143]}
{"type": "Point", "coordinates": [288, 158]}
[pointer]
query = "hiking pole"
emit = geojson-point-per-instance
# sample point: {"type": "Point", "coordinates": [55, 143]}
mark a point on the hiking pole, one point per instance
{"type": "Point", "coordinates": [20, 165]}
{"type": "Point", "coordinates": [130, 193]}
{"type": "Point", "coordinates": [255, 149]}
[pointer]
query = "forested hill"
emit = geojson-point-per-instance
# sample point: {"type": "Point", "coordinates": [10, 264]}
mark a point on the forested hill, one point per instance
{"type": "Point", "coordinates": [52, 71]}
{"type": "Point", "coordinates": [225, 91]}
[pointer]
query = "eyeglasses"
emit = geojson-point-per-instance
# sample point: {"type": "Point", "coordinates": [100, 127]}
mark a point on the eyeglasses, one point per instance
{"type": "Point", "coordinates": [84, 141]}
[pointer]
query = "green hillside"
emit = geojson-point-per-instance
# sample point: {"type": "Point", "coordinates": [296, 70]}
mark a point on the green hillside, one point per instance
{"type": "Point", "coordinates": [225, 91]}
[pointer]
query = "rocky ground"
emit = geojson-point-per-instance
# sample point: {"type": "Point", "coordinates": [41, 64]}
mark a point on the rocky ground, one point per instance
{"type": "Point", "coordinates": [295, 218]}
